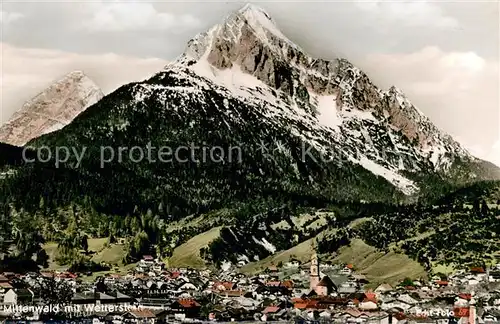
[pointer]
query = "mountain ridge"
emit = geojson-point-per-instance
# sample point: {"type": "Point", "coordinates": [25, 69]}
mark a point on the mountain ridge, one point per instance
{"type": "Point", "coordinates": [248, 41]}
{"type": "Point", "coordinates": [247, 59]}
{"type": "Point", "coordinates": [51, 109]}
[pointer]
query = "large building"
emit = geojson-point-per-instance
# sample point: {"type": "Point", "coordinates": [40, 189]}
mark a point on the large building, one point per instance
{"type": "Point", "coordinates": [314, 275]}
{"type": "Point", "coordinates": [323, 286]}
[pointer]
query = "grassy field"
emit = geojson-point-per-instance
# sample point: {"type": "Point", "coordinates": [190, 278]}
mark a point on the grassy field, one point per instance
{"type": "Point", "coordinates": [112, 254]}
{"type": "Point", "coordinates": [359, 221]}
{"type": "Point", "coordinates": [301, 252]}
{"type": "Point", "coordinates": [214, 217]}
{"type": "Point", "coordinates": [188, 254]}
{"type": "Point", "coordinates": [122, 270]}
{"type": "Point", "coordinates": [51, 250]}
{"type": "Point", "coordinates": [444, 269]}
{"type": "Point", "coordinates": [379, 267]}
{"type": "Point", "coordinates": [96, 244]}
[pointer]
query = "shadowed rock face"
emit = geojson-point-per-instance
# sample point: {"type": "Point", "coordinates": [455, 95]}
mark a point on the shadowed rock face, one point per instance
{"type": "Point", "coordinates": [249, 41]}
{"type": "Point", "coordinates": [52, 109]}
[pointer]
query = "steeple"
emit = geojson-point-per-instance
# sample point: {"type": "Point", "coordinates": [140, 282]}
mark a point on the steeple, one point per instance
{"type": "Point", "coordinates": [314, 274]}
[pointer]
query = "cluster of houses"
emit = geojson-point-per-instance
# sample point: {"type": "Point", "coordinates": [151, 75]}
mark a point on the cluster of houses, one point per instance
{"type": "Point", "coordinates": [293, 292]}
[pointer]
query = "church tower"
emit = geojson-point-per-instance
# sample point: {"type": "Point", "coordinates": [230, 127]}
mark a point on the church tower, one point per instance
{"type": "Point", "coordinates": [314, 275]}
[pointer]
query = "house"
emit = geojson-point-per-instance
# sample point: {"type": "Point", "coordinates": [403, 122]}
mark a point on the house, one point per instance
{"type": "Point", "coordinates": [175, 275]}
{"type": "Point", "coordinates": [147, 262]}
{"type": "Point", "coordinates": [306, 304]}
{"type": "Point", "coordinates": [148, 258]}
{"type": "Point", "coordinates": [369, 301]}
{"type": "Point", "coordinates": [122, 299]}
{"type": "Point", "coordinates": [353, 315]}
{"type": "Point", "coordinates": [360, 278]}
{"type": "Point", "coordinates": [4, 286]}
{"type": "Point", "coordinates": [222, 286]}
{"type": "Point", "coordinates": [111, 279]}
{"type": "Point", "coordinates": [490, 318]}
{"type": "Point", "coordinates": [289, 284]}
{"type": "Point", "coordinates": [18, 297]}
{"type": "Point", "coordinates": [190, 308]}
{"type": "Point", "coordinates": [461, 303]}
{"type": "Point", "coordinates": [325, 287]}
{"type": "Point", "coordinates": [476, 270]}
{"type": "Point", "coordinates": [442, 283]}
{"type": "Point", "coordinates": [140, 315]}
{"type": "Point", "coordinates": [272, 269]}
{"type": "Point", "coordinates": [348, 287]}
{"type": "Point", "coordinates": [66, 276]}
{"type": "Point", "coordinates": [328, 302]}
{"type": "Point", "coordinates": [85, 298]}
{"type": "Point", "coordinates": [232, 293]}
{"type": "Point", "coordinates": [494, 275]}
{"type": "Point", "coordinates": [158, 267]}
{"type": "Point", "coordinates": [407, 299]}
{"type": "Point", "coordinates": [273, 283]}
{"type": "Point", "coordinates": [273, 288]}
{"type": "Point", "coordinates": [424, 296]}
{"type": "Point", "coordinates": [161, 315]}
{"type": "Point", "coordinates": [244, 302]}
{"type": "Point", "coordinates": [383, 288]}
{"type": "Point", "coordinates": [271, 312]}
{"type": "Point", "coordinates": [99, 298]}
{"type": "Point", "coordinates": [396, 306]}
{"type": "Point", "coordinates": [292, 264]}
{"type": "Point", "coordinates": [187, 286]}
{"type": "Point", "coordinates": [3, 279]}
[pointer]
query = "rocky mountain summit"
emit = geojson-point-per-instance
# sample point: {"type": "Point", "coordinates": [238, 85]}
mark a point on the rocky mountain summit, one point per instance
{"type": "Point", "coordinates": [52, 109]}
{"type": "Point", "coordinates": [334, 100]}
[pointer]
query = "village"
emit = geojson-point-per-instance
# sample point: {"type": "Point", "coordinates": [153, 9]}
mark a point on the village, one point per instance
{"type": "Point", "coordinates": [311, 292]}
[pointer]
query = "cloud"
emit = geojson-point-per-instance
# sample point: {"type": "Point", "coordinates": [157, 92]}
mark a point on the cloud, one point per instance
{"type": "Point", "coordinates": [491, 154]}
{"type": "Point", "coordinates": [135, 16]}
{"type": "Point", "coordinates": [413, 13]}
{"type": "Point", "coordinates": [27, 71]}
{"type": "Point", "coordinates": [445, 86]}
{"type": "Point", "coordinates": [494, 154]}
{"type": "Point", "coordinates": [7, 18]}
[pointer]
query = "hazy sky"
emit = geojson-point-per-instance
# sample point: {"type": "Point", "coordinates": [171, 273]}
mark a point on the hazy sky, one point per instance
{"type": "Point", "coordinates": [444, 55]}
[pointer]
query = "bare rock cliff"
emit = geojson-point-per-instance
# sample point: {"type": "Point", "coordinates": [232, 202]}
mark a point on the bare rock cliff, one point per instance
{"type": "Point", "coordinates": [52, 109]}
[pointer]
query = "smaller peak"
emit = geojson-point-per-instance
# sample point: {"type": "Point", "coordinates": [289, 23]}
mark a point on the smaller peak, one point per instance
{"type": "Point", "coordinates": [77, 77]}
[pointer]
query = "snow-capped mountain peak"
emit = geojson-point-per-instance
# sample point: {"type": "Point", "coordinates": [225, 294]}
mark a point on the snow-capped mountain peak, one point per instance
{"type": "Point", "coordinates": [259, 20]}
{"type": "Point", "coordinates": [243, 81]}
{"type": "Point", "coordinates": [245, 27]}
{"type": "Point", "coordinates": [250, 10]}
{"type": "Point", "coordinates": [381, 130]}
